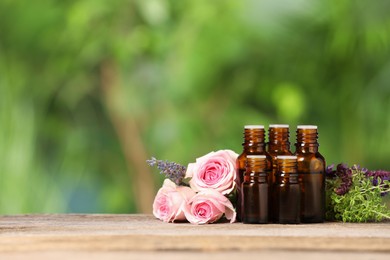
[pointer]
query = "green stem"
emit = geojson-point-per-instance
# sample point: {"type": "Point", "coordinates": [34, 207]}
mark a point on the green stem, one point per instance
{"type": "Point", "coordinates": [375, 187]}
{"type": "Point", "coordinates": [381, 214]}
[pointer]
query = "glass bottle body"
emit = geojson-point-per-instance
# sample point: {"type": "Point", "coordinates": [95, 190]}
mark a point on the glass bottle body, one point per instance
{"type": "Point", "coordinates": [255, 191]}
{"type": "Point", "coordinates": [287, 191]}
{"type": "Point", "coordinates": [253, 145]}
{"type": "Point", "coordinates": [311, 168]}
{"type": "Point", "coordinates": [278, 144]}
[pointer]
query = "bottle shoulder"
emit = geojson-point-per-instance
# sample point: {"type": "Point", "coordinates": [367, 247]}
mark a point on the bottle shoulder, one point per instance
{"type": "Point", "coordinates": [245, 153]}
{"type": "Point", "coordinates": [311, 162]}
{"type": "Point", "coordinates": [308, 155]}
{"type": "Point", "coordinates": [280, 152]}
{"type": "Point", "coordinates": [241, 156]}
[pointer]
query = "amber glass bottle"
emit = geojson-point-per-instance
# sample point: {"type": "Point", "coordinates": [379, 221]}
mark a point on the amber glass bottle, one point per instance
{"type": "Point", "coordinates": [311, 168]}
{"type": "Point", "coordinates": [278, 144]}
{"type": "Point", "coordinates": [287, 191]}
{"type": "Point", "coordinates": [255, 190]}
{"type": "Point", "coordinates": [253, 145]}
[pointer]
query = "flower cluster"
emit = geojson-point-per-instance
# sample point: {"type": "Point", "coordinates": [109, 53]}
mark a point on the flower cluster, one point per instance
{"type": "Point", "coordinates": [205, 198]}
{"type": "Point", "coordinates": [171, 170]}
{"type": "Point", "coordinates": [378, 178]}
{"type": "Point", "coordinates": [344, 173]}
{"type": "Point", "coordinates": [353, 194]}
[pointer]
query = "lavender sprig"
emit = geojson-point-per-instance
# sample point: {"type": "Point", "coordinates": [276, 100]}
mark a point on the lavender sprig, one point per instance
{"type": "Point", "coordinates": [173, 171]}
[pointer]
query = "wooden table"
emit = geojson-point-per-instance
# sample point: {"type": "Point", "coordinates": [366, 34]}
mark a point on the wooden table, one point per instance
{"type": "Point", "coordinates": [65, 236]}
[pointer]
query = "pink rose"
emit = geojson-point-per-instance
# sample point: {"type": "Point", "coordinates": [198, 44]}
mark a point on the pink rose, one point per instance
{"type": "Point", "coordinates": [209, 206]}
{"type": "Point", "coordinates": [215, 170]}
{"type": "Point", "coordinates": [170, 201]}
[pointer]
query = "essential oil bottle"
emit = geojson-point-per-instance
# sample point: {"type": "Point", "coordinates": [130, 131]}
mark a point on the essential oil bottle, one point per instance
{"type": "Point", "coordinates": [311, 168]}
{"type": "Point", "coordinates": [255, 190]}
{"type": "Point", "coordinates": [278, 144]}
{"type": "Point", "coordinates": [287, 191]}
{"type": "Point", "coordinates": [254, 144]}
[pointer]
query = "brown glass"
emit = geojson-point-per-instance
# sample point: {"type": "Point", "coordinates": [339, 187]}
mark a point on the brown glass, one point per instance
{"type": "Point", "coordinates": [311, 168]}
{"type": "Point", "coordinates": [253, 145]}
{"type": "Point", "coordinates": [278, 144]}
{"type": "Point", "coordinates": [287, 192]}
{"type": "Point", "coordinates": [255, 191]}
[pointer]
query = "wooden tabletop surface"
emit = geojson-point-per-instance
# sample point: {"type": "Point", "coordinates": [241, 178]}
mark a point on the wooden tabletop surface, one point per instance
{"type": "Point", "coordinates": [102, 236]}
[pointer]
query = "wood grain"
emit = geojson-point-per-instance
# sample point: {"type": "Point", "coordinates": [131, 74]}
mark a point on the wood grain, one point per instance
{"type": "Point", "coordinates": [116, 235]}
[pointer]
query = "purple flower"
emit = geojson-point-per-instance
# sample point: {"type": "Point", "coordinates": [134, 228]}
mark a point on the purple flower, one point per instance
{"type": "Point", "coordinates": [330, 172]}
{"type": "Point", "coordinates": [382, 175]}
{"type": "Point", "coordinates": [173, 171]}
{"type": "Point", "coordinates": [345, 174]}
{"type": "Point", "coordinates": [341, 167]}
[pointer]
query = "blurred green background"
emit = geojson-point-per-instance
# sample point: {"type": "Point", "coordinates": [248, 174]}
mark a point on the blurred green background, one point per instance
{"type": "Point", "coordinates": [90, 89]}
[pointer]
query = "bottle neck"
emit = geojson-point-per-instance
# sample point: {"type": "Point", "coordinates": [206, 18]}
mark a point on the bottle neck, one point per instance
{"type": "Point", "coordinates": [256, 165]}
{"type": "Point", "coordinates": [287, 178]}
{"type": "Point", "coordinates": [254, 140]}
{"type": "Point", "coordinates": [307, 141]}
{"type": "Point", "coordinates": [306, 149]}
{"type": "Point", "coordinates": [254, 147]}
{"type": "Point", "coordinates": [287, 171]}
{"type": "Point", "coordinates": [255, 177]}
{"type": "Point", "coordinates": [286, 166]}
{"type": "Point", "coordinates": [279, 139]}
{"type": "Point", "coordinates": [279, 147]}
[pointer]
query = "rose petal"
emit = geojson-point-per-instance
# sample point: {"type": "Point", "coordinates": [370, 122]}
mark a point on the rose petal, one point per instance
{"type": "Point", "coordinates": [216, 170]}
{"type": "Point", "coordinates": [190, 170]}
{"type": "Point", "coordinates": [170, 201]}
{"type": "Point", "coordinates": [212, 204]}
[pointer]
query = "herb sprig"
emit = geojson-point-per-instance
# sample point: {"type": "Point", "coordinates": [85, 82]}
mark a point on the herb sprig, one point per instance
{"type": "Point", "coordinates": [173, 171]}
{"type": "Point", "coordinates": [355, 194]}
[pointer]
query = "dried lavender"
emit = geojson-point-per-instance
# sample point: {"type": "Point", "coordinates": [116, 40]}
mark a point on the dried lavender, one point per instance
{"type": "Point", "coordinates": [173, 171]}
